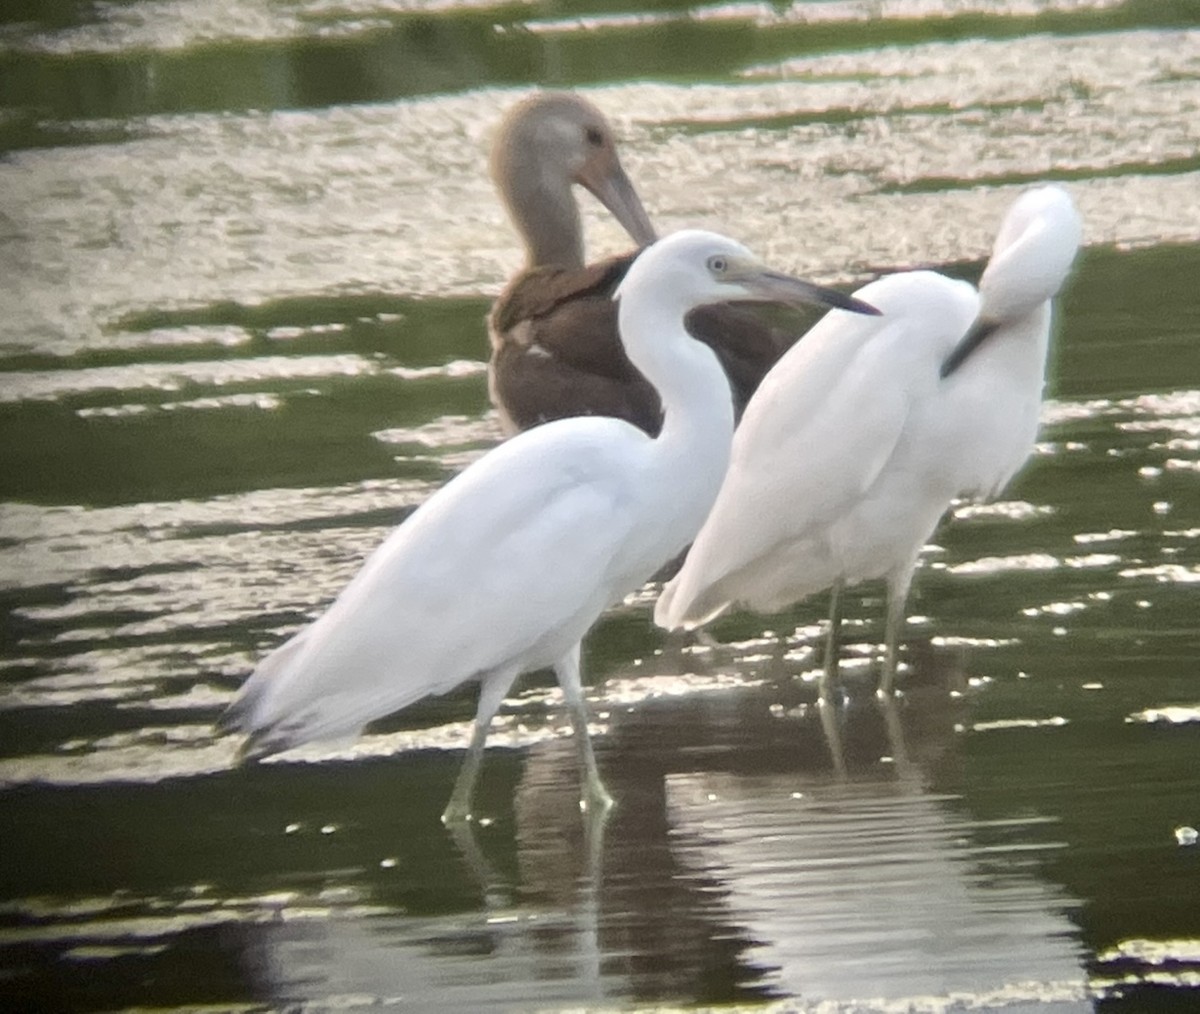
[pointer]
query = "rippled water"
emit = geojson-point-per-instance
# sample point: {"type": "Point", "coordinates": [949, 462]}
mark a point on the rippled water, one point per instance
{"type": "Point", "coordinates": [246, 251]}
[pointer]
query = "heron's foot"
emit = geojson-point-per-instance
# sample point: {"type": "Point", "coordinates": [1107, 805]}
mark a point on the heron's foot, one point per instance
{"type": "Point", "coordinates": [829, 687]}
{"type": "Point", "coordinates": [887, 681]}
{"type": "Point", "coordinates": [595, 798]}
{"type": "Point", "coordinates": [457, 812]}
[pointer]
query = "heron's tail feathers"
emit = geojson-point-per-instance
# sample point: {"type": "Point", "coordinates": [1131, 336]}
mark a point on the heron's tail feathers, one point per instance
{"type": "Point", "coordinates": [674, 611]}
{"type": "Point", "coordinates": [246, 713]}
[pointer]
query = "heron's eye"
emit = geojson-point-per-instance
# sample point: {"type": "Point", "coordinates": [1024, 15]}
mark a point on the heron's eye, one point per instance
{"type": "Point", "coordinates": [718, 265]}
{"type": "Point", "coordinates": [594, 137]}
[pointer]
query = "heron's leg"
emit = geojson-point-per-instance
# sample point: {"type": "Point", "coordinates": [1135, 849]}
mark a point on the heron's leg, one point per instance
{"type": "Point", "coordinates": [888, 707]}
{"type": "Point", "coordinates": [494, 887]}
{"type": "Point", "coordinates": [593, 796]}
{"type": "Point", "coordinates": [492, 688]}
{"type": "Point", "coordinates": [828, 714]}
{"type": "Point", "coordinates": [829, 673]}
{"type": "Point", "coordinates": [898, 586]}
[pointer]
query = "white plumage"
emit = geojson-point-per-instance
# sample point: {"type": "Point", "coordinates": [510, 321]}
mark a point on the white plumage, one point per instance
{"type": "Point", "coordinates": [505, 568]}
{"type": "Point", "coordinates": [865, 431]}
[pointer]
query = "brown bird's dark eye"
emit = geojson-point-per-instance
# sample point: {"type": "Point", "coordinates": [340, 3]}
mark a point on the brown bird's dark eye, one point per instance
{"type": "Point", "coordinates": [594, 137]}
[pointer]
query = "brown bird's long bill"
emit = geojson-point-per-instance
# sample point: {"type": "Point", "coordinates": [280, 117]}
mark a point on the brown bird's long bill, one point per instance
{"type": "Point", "coordinates": [614, 190]}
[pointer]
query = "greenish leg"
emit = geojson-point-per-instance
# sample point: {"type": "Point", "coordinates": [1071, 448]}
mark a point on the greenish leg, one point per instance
{"type": "Point", "coordinates": [492, 690]}
{"type": "Point", "coordinates": [895, 735]}
{"type": "Point", "coordinates": [594, 797]}
{"type": "Point", "coordinates": [897, 599]}
{"type": "Point", "coordinates": [829, 672]}
{"type": "Point", "coordinates": [828, 713]}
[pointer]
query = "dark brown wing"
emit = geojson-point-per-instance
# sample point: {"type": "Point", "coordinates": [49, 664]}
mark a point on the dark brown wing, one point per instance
{"type": "Point", "coordinates": [556, 352]}
{"type": "Point", "coordinates": [538, 292]}
{"type": "Point", "coordinates": [744, 342]}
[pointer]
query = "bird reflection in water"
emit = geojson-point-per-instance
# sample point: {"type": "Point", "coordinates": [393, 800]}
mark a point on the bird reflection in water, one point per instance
{"type": "Point", "coordinates": [744, 862]}
{"type": "Point", "coordinates": [849, 816]}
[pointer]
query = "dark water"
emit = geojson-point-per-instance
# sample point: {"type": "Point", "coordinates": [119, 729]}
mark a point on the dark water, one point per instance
{"type": "Point", "coordinates": [246, 249]}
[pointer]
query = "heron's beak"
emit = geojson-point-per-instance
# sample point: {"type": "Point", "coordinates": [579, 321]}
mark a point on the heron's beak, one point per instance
{"type": "Point", "coordinates": [612, 188]}
{"type": "Point", "coordinates": [968, 344]}
{"type": "Point", "coordinates": [768, 286]}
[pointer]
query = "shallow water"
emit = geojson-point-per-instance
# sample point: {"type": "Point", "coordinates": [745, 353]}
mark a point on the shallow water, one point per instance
{"type": "Point", "coordinates": [247, 248]}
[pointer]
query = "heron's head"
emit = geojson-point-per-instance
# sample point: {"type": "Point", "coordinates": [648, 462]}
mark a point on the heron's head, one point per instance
{"type": "Point", "coordinates": [1033, 253]}
{"type": "Point", "coordinates": [695, 268]}
{"type": "Point", "coordinates": [564, 136]}
{"type": "Point", "coordinates": [1030, 261]}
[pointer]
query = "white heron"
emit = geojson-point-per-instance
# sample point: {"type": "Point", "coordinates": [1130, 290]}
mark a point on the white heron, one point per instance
{"type": "Point", "coordinates": [865, 431]}
{"type": "Point", "coordinates": [505, 568]}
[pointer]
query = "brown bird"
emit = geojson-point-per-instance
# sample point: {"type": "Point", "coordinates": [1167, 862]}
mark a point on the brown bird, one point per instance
{"type": "Point", "coordinates": [555, 348]}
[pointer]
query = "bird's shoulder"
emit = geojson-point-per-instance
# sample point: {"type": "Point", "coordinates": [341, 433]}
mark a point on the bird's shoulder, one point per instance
{"type": "Point", "coordinates": [923, 314]}
{"type": "Point", "coordinates": [559, 483]}
{"type": "Point", "coordinates": [542, 291]}
{"type": "Point", "coordinates": [827, 419]}
{"type": "Point", "coordinates": [533, 468]}
{"type": "Point", "coordinates": [575, 450]}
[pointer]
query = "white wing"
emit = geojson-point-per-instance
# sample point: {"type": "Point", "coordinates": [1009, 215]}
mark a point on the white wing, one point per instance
{"type": "Point", "coordinates": [507, 565]}
{"type": "Point", "coordinates": [815, 438]}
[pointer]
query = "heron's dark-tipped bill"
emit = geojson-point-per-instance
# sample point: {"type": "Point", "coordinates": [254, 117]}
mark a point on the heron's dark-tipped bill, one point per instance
{"type": "Point", "coordinates": [968, 344]}
{"type": "Point", "coordinates": [766, 286]}
{"type": "Point", "coordinates": [612, 188]}
{"type": "Point", "coordinates": [771, 286]}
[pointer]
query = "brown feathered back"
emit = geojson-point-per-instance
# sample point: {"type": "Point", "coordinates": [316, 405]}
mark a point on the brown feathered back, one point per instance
{"type": "Point", "coordinates": [556, 352]}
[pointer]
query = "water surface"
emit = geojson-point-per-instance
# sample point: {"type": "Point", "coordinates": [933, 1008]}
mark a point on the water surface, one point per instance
{"type": "Point", "coordinates": [247, 250]}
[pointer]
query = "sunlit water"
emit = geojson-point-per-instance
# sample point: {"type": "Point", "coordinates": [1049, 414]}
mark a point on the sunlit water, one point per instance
{"type": "Point", "coordinates": [247, 249]}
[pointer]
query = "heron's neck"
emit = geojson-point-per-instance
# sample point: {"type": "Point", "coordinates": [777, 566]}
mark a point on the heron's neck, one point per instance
{"type": "Point", "coordinates": [541, 206]}
{"type": "Point", "coordinates": [1012, 357]}
{"type": "Point", "coordinates": [693, 447]}
{"type": "Point", "coordinates": [1019, 345]}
